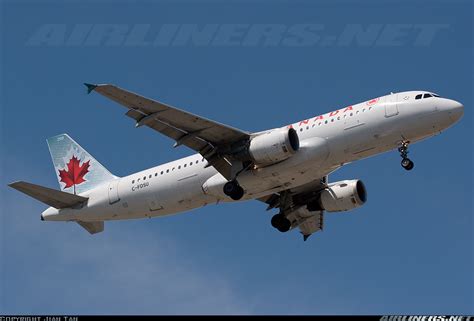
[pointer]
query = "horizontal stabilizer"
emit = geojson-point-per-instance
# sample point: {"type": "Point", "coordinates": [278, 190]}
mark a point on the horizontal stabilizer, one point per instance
{"type": "Point", "coordinates": [49, 196]}
{"type": "Point", "coordinates": [92, 227]}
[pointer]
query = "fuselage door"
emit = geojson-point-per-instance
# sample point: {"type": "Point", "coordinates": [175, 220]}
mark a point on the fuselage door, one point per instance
{"type": "Point", "coordinates": [113, 191]}
{"type": "Point", "coordinates": [391, 105]}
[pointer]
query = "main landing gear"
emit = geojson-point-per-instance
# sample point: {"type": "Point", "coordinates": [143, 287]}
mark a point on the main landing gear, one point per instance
{"type": "Point", "coordinates": [233, 190]}
{"type": "Point", "coordinates": [406, 162]}
{"type": "Point", "coordinates": [281, 223]}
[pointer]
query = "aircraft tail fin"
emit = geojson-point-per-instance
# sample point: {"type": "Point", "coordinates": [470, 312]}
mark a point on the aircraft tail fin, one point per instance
{"type": "Point", "coordinates": [77, 171]}
{"type": "Point", "coordinates": [49, 196]}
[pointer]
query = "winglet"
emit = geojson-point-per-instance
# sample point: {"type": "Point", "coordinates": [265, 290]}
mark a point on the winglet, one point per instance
{"type": "Point", "coordinates": [90, 87]}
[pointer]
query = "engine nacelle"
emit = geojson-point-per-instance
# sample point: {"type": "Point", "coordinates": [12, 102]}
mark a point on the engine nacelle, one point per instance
{"type": "Point", "coordinates": [274, 146]}
{"type": "Point", "coordinates": [343, 196]}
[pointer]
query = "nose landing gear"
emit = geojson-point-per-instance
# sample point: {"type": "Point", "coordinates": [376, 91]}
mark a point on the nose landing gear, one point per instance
{"type": "Point", "coordinates": [406, 162]}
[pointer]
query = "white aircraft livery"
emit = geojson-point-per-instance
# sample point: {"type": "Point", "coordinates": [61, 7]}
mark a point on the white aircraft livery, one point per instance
{"type": "Point", "coordinates": [287, 168]}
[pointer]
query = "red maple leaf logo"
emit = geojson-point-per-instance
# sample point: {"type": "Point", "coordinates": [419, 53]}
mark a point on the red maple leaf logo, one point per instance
{"type": "Point", "coordinates": [74, 174]}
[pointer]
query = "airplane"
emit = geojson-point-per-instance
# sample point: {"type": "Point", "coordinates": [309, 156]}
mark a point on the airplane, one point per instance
{"type": "Point", "coordinates": [286, 168]}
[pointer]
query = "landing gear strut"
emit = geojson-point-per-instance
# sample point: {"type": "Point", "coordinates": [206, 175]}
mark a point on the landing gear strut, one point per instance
{"type": "Point", "coordinates": [233, 190]}
{"type": "Point", "coordinates": [406, 162]}
{"type": "Point", "coordinates": [281, 223]}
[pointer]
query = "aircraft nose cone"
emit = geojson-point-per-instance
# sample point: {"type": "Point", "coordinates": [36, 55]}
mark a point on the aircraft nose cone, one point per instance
{"type": "Point", "coordinates": [456, 110]}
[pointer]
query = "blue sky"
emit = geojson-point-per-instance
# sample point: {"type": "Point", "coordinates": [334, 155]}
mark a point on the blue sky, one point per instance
{"type": "Point", "coordinates": [408, 250]}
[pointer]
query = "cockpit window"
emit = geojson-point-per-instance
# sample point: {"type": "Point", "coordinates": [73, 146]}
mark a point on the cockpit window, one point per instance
{"type": "Point", "coordinates": [425, 95]}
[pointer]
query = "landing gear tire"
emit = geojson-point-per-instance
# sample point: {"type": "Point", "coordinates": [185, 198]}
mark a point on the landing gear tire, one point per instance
{"type": "Point", "coordinates": [281, 223]}
{"type": "Point", "coordinates": [233, 190]}
{"type": "Point", "coordinates": [407, 164]}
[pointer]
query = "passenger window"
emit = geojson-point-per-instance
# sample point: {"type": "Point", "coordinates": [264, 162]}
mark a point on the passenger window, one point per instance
{"type": "Point", "coordinates": [197, 161]}
{"type": "Point", "coordinates": [161, 173]}
{"type": "Point", "coordinates": [167, 170]}
{"type": "Point", "coordinates": [133, 182]}
{"type": "Point", "coordinates": [144, 177]}
{"type": "Point", "coordinates": [185, 165]}
{"type": "Point", "coordinates": [179, 167]}
{"type": "Point", "coordinates": [418, 96]}
{"type": "Point", "coordinates": [156, 174]}
{"type": "Point", "coordinates": [149, 176]}
{"type": "Point", "coordinates": [427, 96]}
{"type": "Point", "coordinates": [191, 163]}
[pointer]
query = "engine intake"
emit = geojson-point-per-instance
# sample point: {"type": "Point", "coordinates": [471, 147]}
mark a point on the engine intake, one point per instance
{"type": "Point", "coordinates": [274, 146]}
{"type": "Point", "coordinates": [341, 196]}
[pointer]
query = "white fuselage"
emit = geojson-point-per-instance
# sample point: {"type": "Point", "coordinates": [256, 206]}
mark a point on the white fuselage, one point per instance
{"type": "Point", "coordinates": [326, 143]}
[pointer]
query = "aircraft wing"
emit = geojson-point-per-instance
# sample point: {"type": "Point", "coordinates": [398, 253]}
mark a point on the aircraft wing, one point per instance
{"type": "Point", "coordinates": [205, 136]}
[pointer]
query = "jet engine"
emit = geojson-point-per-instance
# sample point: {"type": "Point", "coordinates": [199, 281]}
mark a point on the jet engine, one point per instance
{"type": "Point", "coordinates": [273, 146]}
{"type": "Point", "coordinates": [340, 196]}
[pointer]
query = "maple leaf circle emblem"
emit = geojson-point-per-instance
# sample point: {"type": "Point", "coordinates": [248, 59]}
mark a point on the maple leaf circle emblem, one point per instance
{"type": "Point", "coordinates": [74, 172]}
